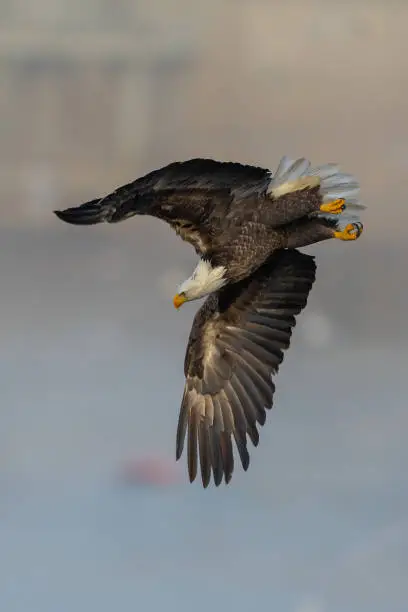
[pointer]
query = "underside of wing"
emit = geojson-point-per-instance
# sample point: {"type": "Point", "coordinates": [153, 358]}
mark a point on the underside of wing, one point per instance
{"type": "Point", "coordinates": [236, 344]}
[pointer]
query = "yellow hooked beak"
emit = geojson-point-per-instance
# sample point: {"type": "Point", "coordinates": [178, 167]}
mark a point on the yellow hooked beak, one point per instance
{"type": "Point", "coordinates": [179, 300]}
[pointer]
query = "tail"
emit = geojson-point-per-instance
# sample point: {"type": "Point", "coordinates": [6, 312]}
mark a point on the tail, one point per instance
{"type": "Point", "coordinates": [333, 183]}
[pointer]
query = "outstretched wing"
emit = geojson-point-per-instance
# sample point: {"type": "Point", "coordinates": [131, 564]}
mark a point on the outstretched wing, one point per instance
{"type": "Point", "coordinates": [184, 194]}
{"type": "Point", "coordinates": [235, 345]}
{"type": "Point", "coordinates": [195, 214]}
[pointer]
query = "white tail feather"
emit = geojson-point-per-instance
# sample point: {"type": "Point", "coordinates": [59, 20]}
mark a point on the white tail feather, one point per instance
{"type": "Point", "coordinates": [334, 184]}
{"type": "Point", "coordinates": [284, 165]}
{"type": "Point", "coordinates": [325, 171]}
{"type": "Point", "coordinates": [289, 170]}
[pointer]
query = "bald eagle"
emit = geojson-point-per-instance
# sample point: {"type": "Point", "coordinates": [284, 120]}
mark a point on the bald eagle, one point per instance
{"type": "Point", "coordinates": [246, 224]}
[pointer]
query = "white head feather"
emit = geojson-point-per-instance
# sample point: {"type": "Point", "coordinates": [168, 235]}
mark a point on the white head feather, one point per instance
{"type": "Point", "coordinates": [204, 280]}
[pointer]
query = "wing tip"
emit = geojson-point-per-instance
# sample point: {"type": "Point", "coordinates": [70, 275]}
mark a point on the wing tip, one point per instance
{"type": "Point", "coordinates": [74, 216]}
{"type": "Point", "coordinates": [62, 215]}
{"type": "Point", "coordinates": [88, 213]}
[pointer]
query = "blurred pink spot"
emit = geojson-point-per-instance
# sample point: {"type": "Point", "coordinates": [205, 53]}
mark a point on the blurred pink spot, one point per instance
{"type": "Point", "coordinates": [150, 471]}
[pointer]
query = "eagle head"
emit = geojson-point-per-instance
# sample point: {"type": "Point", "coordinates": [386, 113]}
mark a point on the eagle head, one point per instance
{"type": "Point", "coordinates": [205, 280]}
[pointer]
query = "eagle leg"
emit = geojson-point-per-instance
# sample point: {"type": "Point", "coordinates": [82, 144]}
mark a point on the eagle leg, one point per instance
{"type": "Point", "coordinates": [352, 231]}
{"type": "Point", "coordinates": [335, 207]}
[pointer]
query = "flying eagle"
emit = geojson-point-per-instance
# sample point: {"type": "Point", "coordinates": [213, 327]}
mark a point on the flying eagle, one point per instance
{"type": "Point", "coordinates": [245, 224]}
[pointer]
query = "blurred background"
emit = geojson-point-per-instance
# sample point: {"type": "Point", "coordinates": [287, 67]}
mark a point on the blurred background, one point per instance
{"type": "Point", "coordinates": [94, 94]}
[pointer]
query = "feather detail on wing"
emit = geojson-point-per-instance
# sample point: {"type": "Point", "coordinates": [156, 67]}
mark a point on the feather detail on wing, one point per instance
{"type": "Point", "coordinates": [236, 343]}
{"type": "Point", "coordinates": [183, 194]}
{"type": "Point", "coordinates": [187, 211]}
{"type": "Point", "coordinates": [207, 174]}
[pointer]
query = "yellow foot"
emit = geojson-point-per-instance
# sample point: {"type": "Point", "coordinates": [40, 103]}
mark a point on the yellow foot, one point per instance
{"type": "Point", "coordinates": [351, 232]}
{"type": "Point", "coordinates": [335, 207]}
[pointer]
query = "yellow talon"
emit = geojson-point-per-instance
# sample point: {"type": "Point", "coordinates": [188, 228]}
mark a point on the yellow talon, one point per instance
{"type": "Point", "coordinates": [351, 232]}
{"type": "Point", "coordinates": [335, 207]}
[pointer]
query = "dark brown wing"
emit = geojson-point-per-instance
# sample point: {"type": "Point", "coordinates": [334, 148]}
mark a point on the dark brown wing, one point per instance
{"type": "Point", "coordinates": [184, 194]}
{"type": "Point", "coordinates": [209, 174]}
{"type": "Point", "coordinates": [195, 214]}
{"type": "Point", "coordinates": [235, 345]}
